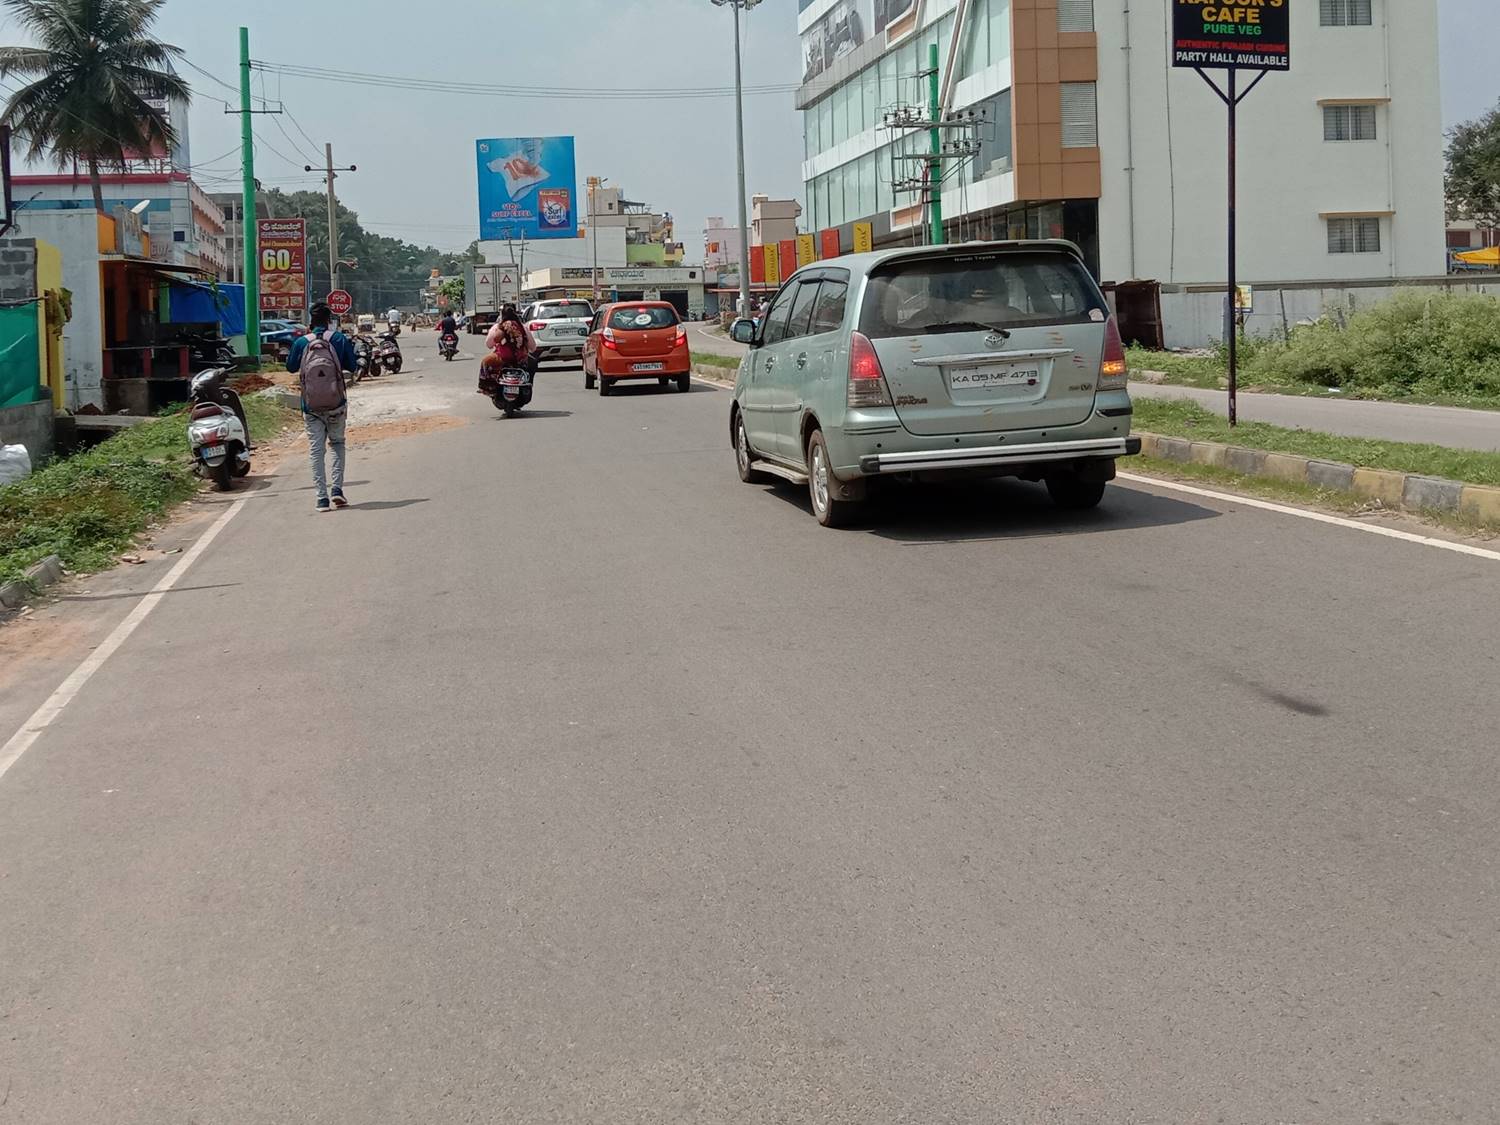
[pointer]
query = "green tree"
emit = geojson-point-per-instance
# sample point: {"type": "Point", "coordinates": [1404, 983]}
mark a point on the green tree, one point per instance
{"type": "Point", "coordinates": [1473, 179]}
{"type": "Point", "coordinates": [92, 77]}
{"type": "Point", "coordinates": [453, 289]}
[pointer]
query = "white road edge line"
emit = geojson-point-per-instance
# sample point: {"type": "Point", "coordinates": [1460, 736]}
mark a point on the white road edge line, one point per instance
{"type": "Point", "coordinates": [1319, 517]}
{"type": "Point", "coordinates": [44, 715]}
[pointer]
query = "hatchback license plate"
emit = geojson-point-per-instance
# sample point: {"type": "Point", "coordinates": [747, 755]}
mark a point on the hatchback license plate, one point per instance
{"type": "Point", "coordinates": [988, 378]}
{"type": "Point", "coordinates": [647, 366]}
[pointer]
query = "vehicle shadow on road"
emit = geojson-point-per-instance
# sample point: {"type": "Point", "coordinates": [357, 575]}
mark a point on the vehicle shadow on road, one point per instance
{"type": "Point", "coordinates": [647, 390]}
{"type": "Point", "coordinates": [995, 510]}
{"type": "Point", "coordinates": [524, 414]}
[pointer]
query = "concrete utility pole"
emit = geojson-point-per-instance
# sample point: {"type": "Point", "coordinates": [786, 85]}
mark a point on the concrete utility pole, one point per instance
{"type": "Point", "coordinates": [739, 135]}
{"type": "Point", "coordinates": [251, 257]}
{"type": "Point", "coordinates": [935, 173]}
{"type": "Point", "coordinates": [333, 215]}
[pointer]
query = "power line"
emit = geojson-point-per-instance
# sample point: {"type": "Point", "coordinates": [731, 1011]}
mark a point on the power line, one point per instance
{"type": "Point", "coordinates": [357, 78]}
{"type": "Point", "coordinates": [298, 124]}
{"type": "Point", "coordinates": [289, 140]}
{"type": "Point", "coordinates": [235, 90]}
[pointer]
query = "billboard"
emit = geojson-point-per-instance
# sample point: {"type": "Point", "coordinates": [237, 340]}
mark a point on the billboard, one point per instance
{"type": "Point", "coordinates": [843, 27]}
{"type": "Point", "coordinates": [283, 264]}
{"type": "Point", "coordinates": [528, 188]}
{"type": "Point", "coordinates": [1253, 37]}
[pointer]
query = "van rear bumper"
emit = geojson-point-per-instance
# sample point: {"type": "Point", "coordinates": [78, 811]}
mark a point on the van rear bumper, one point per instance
{"type": "Point", "coordinates": [987, 456]}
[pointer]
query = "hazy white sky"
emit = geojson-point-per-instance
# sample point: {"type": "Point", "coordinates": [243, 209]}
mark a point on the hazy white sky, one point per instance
{"type": "Point", "coordinates": [415, 147]}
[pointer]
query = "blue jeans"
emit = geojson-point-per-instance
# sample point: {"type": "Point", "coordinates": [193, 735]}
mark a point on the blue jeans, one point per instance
{"type": "Point", "coordinates": [324, 430]}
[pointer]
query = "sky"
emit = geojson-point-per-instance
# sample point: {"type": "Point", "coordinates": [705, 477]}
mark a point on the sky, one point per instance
{"type": "Point", "coordinates": [415, 148]}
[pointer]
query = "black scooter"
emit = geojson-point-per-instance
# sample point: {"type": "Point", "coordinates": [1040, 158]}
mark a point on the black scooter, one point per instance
{"type": "Point", "coordinates": [448, 346]}
{"type": "Point", "coordinates": [510, 389]}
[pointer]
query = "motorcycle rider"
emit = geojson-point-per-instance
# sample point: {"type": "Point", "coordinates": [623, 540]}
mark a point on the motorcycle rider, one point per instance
{"type": "Point", "coordinates": [512, 341]}
{"type": "Point", "coordinates": [448, 326]}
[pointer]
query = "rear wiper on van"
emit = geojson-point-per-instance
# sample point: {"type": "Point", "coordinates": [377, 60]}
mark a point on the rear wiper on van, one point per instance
{"type": "Point", "coordinates": [967, 326]}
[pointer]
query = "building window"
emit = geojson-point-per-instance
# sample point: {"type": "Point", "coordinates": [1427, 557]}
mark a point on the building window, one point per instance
{"type": "Point", "coordinates": [1354, 236]}
{"type": "Point", "coordinates": [1075, 15]}
{"type": "Point", "coordinates": [1345, 13]}
{"type": "Point", "coordinates": [179, 236]}
{"type": "Point", "coordinates": [1348, 123]}
{"type": "Point", "coordinates": [1080, 119]}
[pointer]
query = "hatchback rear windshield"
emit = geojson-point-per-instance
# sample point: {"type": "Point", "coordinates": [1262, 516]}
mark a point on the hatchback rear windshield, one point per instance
{"type": "Point", "coordinates": [638, 319]}
{"type": "Point", "coordinates": [568, 310]}
{"type": "Point", "coordinates": [967, 293]}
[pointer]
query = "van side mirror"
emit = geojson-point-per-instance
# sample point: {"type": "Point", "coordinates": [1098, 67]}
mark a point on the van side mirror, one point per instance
{"type": "Point", "coordinates": [742, 331]}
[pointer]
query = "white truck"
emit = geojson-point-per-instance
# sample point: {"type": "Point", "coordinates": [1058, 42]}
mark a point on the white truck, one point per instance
{"type": "Point", "coordinates": [487, 289]}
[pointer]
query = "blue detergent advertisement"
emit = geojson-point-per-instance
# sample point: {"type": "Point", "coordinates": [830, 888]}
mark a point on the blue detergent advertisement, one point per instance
{"type": "Point", "coordinates": [528, 188]}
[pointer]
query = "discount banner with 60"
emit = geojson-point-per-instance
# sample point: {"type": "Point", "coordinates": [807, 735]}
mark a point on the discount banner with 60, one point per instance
{"type": "Point", "coordinates": [283, 264]}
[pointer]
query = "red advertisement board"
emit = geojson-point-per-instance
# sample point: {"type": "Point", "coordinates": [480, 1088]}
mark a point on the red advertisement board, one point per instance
{"type": "Point", "coordinates": [757, 265]}
{"type": "Point", "coordinates": [786, 254]}
{"type": "Point", "coordinates": [830, 243]}
{"type": "Point", "coordinates": [283, 264]}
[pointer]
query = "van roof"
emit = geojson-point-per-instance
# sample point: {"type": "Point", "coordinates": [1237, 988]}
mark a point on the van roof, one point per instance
{"type": "Point", "coordinates": [866, 263]}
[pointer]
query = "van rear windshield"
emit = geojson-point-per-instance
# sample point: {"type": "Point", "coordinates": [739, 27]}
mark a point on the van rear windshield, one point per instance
{"type": "Point", "coordinates": [1005, 290]}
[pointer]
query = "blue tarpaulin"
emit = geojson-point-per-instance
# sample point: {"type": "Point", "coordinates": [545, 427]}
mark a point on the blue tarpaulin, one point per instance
{"type": "Point", "coordinates": [200, 304]}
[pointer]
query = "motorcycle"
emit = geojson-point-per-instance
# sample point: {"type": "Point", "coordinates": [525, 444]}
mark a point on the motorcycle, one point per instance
{"type": "Point", "coordinates": [217, 432]}
{"type": "Point", "coordinates": [448, 346]}
{"type": "Point", "coordinates": [387, 354]}
{"type": "Point", "coordinates": [206, 349]}
{"type": "Point", "coordinates": [509, 388]}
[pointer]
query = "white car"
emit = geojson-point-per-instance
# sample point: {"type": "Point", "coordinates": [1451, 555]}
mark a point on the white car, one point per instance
{"type": "Point", "coordinates": [560, 327]}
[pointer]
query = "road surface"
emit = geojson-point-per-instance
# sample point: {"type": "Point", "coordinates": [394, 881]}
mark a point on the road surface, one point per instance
{"type": "Point", "coordinates": [565, 778]}
{"type": "Point", "coordinates": [1439, 425]}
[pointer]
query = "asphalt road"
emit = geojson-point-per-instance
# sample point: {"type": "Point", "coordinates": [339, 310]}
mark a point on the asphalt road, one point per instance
{"type": "Point", "coordinates": [565, 778]}
{"type": "Point", "coordinates": [1439, 425]}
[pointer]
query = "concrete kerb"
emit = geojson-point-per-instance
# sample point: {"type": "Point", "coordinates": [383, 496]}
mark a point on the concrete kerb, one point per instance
{"type": "Point", "coordinates": [45, 573]}
{"type": "Point", "coordinates": [1409, 491]}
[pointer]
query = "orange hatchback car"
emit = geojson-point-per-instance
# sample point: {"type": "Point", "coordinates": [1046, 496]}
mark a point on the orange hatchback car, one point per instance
{"type": "Point", "coordinates": [637, 340]}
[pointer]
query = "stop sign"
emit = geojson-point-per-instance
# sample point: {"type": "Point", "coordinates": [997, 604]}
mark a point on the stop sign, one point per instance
{"type": "Point", "coordinates": [339, 302]}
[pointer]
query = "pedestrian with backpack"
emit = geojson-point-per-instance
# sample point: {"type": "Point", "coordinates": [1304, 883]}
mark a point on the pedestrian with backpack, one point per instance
{"type": "Point", "coordinates": [320, 360]}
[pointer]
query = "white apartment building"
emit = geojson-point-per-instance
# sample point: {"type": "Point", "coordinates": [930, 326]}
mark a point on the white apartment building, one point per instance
{"type": "Point", "coordinates": [1089, 134]}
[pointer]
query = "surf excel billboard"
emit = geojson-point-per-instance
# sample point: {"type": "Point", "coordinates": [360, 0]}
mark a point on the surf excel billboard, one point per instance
{"type": "Point", "coordinates": [528, 188]}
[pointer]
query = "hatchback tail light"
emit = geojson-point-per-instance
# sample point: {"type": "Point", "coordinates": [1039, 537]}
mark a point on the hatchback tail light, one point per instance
{"type": "Point", "coordinates": [537, 325]}
{"type": "Point", "coordinates": [1113, 370]}
{"type": "Point", "coordinates": [681, 336]}
{"type": "Point", "coordinates": [608, 338]}
{"type": "Point", "coordinates": [866, 379]}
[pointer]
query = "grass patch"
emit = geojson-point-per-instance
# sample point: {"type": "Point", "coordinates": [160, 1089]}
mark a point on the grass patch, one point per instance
{"type": "Point", "coordinates": [1418, 346]}
{"type": "Point", "coordinates": [87, 508]}
{"type": "Point", "coordinates": [730, 362]}
{"type": "Point", "coordinates": [1189, 420]}
{"type": "Point", "coordinates": [1285, 492]}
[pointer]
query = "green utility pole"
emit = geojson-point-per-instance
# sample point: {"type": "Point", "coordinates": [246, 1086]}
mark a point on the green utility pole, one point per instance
{"type": "Point", "coordinates": [247, 209]}
{"type": "Point", "coordinates": [935, 166]}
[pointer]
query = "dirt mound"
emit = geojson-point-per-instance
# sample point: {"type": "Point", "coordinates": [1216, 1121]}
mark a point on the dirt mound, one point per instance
{"type": "Point", "coordinates": [246, 384]}
{"type": "Point", "coordinates": [403, 427]}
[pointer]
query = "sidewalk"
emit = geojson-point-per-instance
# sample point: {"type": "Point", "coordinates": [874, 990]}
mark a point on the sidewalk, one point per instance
{"type": "Point", "coordinates": [1392, 421]}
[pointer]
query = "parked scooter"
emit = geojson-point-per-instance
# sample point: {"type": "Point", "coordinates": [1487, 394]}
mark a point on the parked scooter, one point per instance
{"type": "Point", "coordinates": [387, 353]}
{"type": "Point", "coordinates": [364, 357]}
{"type": "Point", "coordinates": [448, 346]}
{"type": "Point", "coordinates": [218, 433]}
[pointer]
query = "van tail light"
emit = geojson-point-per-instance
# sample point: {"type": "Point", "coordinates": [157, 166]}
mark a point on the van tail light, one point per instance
{"type": "Point", "coordinates": [866, 379]}
{"type": "Point", "coordinates": [681, 336]}
{"type": "Point", "coordinates": [608, 338]}
{"type": "Point", "coordinates": [1113, 371]}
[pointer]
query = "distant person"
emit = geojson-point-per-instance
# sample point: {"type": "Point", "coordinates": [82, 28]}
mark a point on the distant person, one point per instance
{"type": "Point", "coordinates": [321, 359]}
{"type": "Point", "coordinates": [393, 318]}
{"type": "Point", "coordinates": [448, 326]}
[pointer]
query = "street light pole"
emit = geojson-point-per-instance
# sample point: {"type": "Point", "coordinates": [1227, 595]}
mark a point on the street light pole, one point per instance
{"type": "Point", "coordinates": [595, 183]}
{"type": "Point", "coordinates": [739, 135]}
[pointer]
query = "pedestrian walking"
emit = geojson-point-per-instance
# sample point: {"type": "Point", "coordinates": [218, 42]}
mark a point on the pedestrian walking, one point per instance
{"type": "Point", "coordinates": [320, 359]}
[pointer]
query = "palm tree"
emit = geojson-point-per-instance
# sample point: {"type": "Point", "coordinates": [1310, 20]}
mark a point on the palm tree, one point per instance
{"type": "Point", "coordinates": [91, 76]}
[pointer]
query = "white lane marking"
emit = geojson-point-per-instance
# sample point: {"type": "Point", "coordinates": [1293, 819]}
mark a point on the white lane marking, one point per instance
{"type": "Point", "coordinates": [44, 715]}
{"type": "Point", "coordinates": [1319, 517]}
